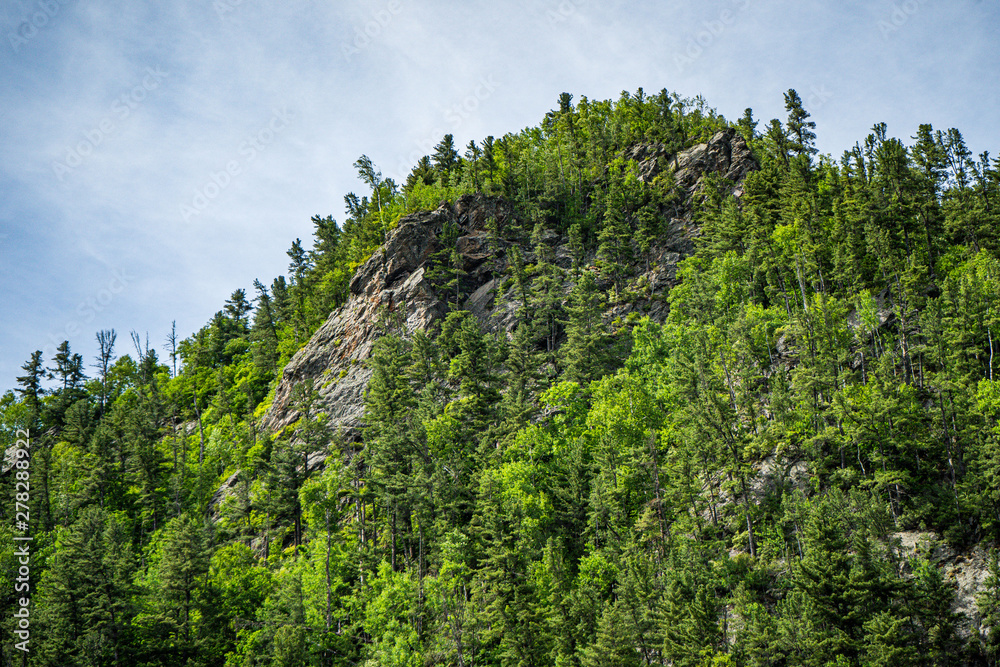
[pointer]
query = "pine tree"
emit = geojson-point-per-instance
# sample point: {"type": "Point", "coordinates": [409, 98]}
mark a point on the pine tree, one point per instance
{"type": "Point", "coordinates": [474, 367]}
{"type": "Point", "coordinates": [748, 126]}
{"type": "Point", "coordinates": [778, 140]}
{"type": "Point", "coordinates": [69, 376]}
{"type": "Point", "coordinates": [615, 643]}
{"type": "Point", "coordinates": [264, 332]}
{"type": "Point", "coordinates": [472, 155]}
{"type": "Point", "coordinates": [445, 159]}
{"type": "Point", "coordinates": [522, 379]}
{"type": "Point", "coordinates": [615, 237]}
{"type": "Point", "coordinates": [889, 642]}
{"type": "Point", "coordinates": [173, 585]}
{"type": "Point", "coordinates": [31, 389]}
{"type": "Point", "coordinates": [586, 354]}
{"type": "Point", "coordinates": [105, 357]}
{"type": "Point", "coordinates": [799, 127]}
{"type": "Point", "coordinates": [389, 442]}
{"type": "Point", "coordinates": [489, 158]}
{"type": "Point", "coordinates": [373, 179]}
{"type": "Point", "coordinates": [289, 468]}
{"type": "Point", "coordinates": [86, 596]}
{"type": "Point", "coordinates": [68, 370]}
{"type": "Point", "coordinates": [932, 607]}
{"type": "Point", "coordinates": [546, 294]}
{"type": "Point", "coordinates": [446, 270]}
{"type": "Point", "coordinates": [423, 173]}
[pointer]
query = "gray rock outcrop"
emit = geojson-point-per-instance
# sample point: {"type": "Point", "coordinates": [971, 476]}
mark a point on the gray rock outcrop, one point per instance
{"type": "Point", "coordinates": [395, 281]}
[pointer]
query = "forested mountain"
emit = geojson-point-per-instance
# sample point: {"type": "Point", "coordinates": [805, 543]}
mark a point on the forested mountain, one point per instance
{"type": "Point", "coordinates": [635, 386]}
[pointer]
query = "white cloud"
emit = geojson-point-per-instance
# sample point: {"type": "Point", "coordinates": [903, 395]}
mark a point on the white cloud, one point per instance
{"type": "Point", "coordinates": [225, 76]}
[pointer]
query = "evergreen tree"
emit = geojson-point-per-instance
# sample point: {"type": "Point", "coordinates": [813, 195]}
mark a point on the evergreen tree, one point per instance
{"type": "Point", "coordinates": [422, 173]}
{"type": "Point", "coordinates": [69, 376]}
{"type": "Point", "coordinates": [237, 308]}
{"type": "Point", "coordinates": [445, 159]}
{"type": "Point", "coordinates": [472, 155]}
{"type": "Point", "coordinates": [586, 354]}
{"type": "Point", "coordinates": [546, 295]}
{"type": "Point", "coordinates": [825, 380]}
{"type": "Point", "coordinates": [31, 389]}
{"type": "Point", "coordinates": [173, 584]}
{"type": "Point", "coordinates": [86, 596]}
{"type": "Point", "coordinates": [390, 447]}
{"type": "Point", "coordinates": [489, 157]}
{"type": "Point", "coordinates": [800, 129]}
{"type": "Point", "coordinates": [105, 357]}
{"type": "Point", "coordinates": [615, 644]}
{"type": "Point", "coordinates": [264, 332]}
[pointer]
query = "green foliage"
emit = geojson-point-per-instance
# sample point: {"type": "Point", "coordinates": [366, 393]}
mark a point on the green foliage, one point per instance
{"type": "Point", "coordinates": [86, 598]}
{"type": "Point", "coordinates": [587, 353]}
{"type": "Point", "coordinates": [171, 624]}
{"type": "Point", "coordinates": [723, 487]}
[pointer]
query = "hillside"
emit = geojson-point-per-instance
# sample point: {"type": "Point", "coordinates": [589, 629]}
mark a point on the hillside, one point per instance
{"type": "Point", "coordinates": [395, 280]}
{"type": "Point", "coordinates": [635, 386]}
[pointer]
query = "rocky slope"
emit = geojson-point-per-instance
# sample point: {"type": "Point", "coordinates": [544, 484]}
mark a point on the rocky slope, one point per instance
{"type": "Point", "coordinates": [394, 281]}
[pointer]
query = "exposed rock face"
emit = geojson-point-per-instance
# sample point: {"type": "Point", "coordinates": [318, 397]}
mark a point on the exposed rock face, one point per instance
{"type": "Point", "coordinates": [392, 283]}
{"type": "Point", "coordinates": [726, 153]}
{"type": "Point", "coordinates": [965, 571]}
{"type": "Point", "coordinates": [395, 280]}
{"type": "Point", "coordinates": [334, 357]}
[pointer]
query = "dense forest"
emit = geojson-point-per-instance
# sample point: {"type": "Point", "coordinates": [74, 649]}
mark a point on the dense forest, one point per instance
{"type": "Point", "coordinates": [790, 467]}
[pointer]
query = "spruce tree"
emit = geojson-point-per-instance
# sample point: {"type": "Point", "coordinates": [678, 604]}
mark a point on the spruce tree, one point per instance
{"type": "Point", "coordinates": [799, 127]}
{"type": "Point", "coordinates": [586, 354]}
{"type": "Point", "coordinates": [105, 357]}
{"type": "Point", "coordinates": [86, 597]}
{"type": "Point", "coordinates": [173, 590]}
{"type": "Point", "coordinates": [31, 389]}
{"type": "Point", "coordinates": [422, 173]}
{"type": "Point", "coordinates": [445, 159]}
{"type": "Point", "coordinates": [264, 332]}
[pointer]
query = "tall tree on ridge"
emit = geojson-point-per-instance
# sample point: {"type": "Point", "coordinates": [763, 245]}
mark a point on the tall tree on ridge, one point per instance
{"type": "Point", "coordinates": [31, 389]}
{"type": "Point", "coordinates": [799, 127]}
{"type": "Point", "coordinates": [372, 177]}
{"type": "Point", "coordinates": [445, 158]}
{"type": "Point", "coordinates": [105, 356]}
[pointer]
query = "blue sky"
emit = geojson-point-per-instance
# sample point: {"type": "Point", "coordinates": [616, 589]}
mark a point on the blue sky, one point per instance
{"type": "Point", "coordinates": [156, 156]}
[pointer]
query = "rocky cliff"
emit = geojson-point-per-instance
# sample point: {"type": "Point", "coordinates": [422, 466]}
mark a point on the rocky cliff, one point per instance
{"type": "Point", "coordinates": [394, 281]}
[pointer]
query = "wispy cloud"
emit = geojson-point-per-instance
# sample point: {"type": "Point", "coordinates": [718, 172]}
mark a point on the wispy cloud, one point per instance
{"type": "Point", "coordinates": [411, 71]}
